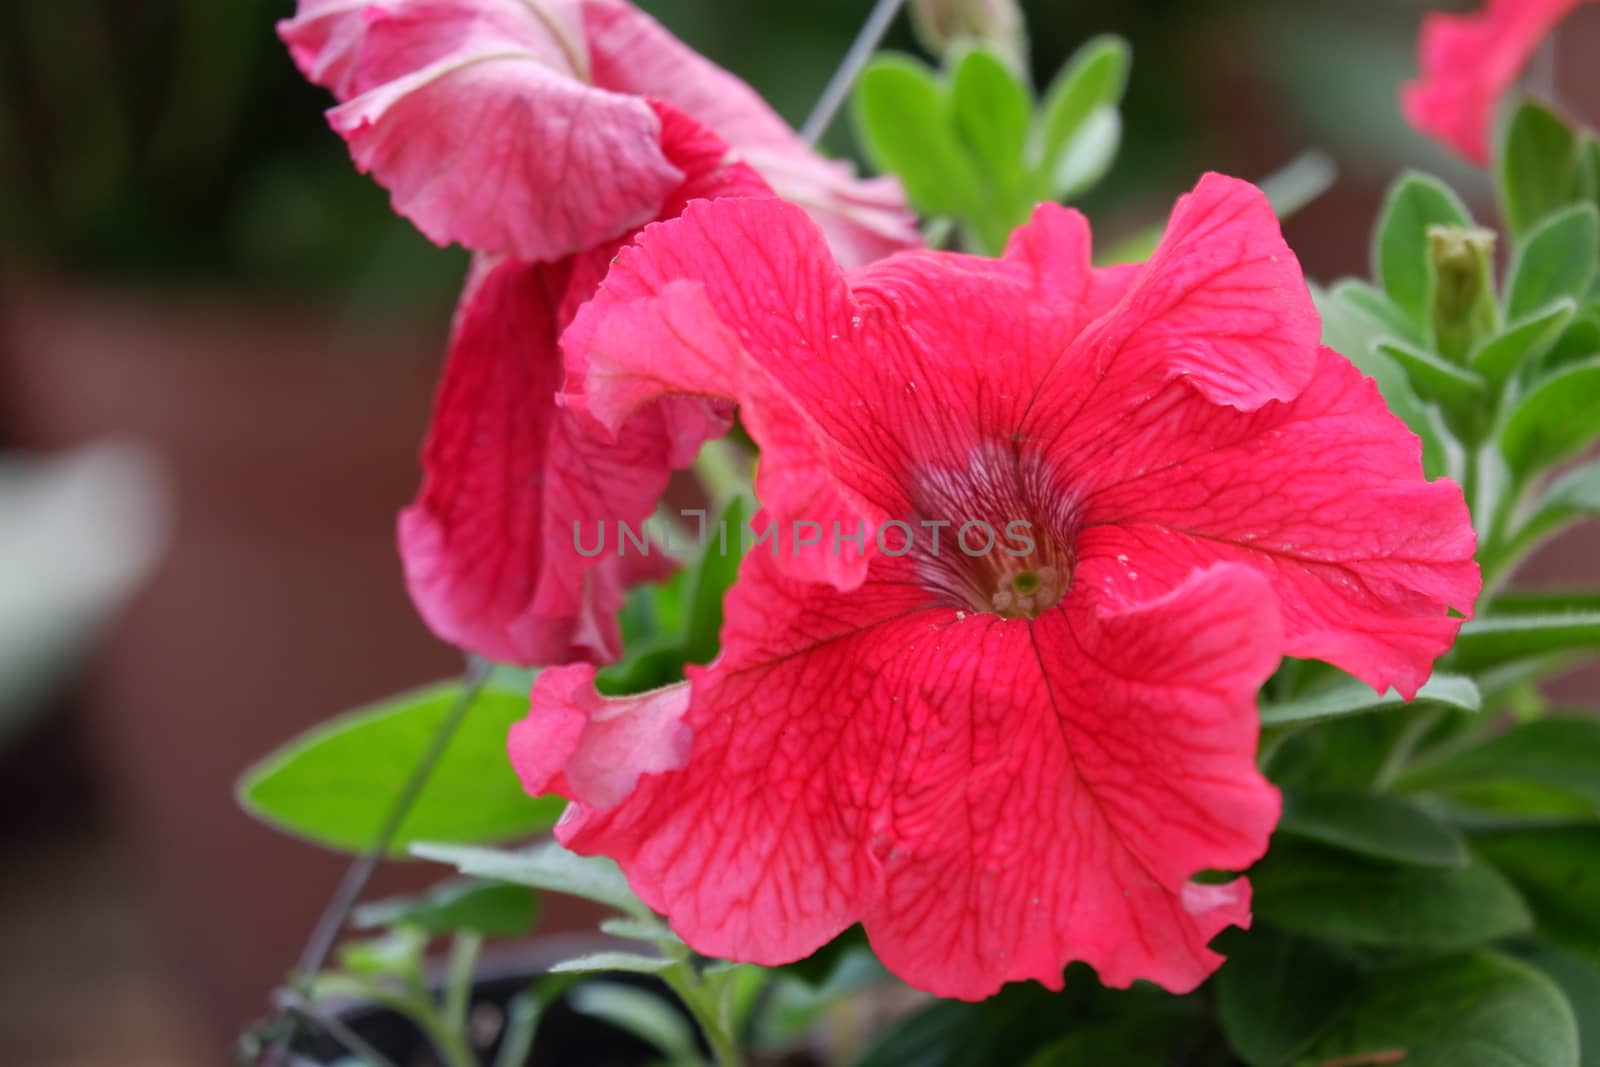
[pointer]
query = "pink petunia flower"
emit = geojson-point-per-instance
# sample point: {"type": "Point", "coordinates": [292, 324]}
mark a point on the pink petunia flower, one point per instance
{"type": "Point", "coordinates": [524, 127]}
{"type": "Point", "coordinates": [998, 760]}
{"type": "Point", "coordinates": [1467, 64]}
{"type": "Point", "coordinates": [489, 550]}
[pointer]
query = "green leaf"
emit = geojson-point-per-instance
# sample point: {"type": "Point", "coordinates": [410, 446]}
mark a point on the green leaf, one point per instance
{"type": "Point", "coordinates": [1091, 83]}
{"type": "Point", "coordinates": [1522, 343]}
{"type": "Point", "coordinates": [991, 109]}
{"type": "Point", "coordinates": [1330, 895]}
{"type": "Point", "coordinates": [613, 962]}
{"type": "Point", "coordinates": [1372, 824]}
{"type": "Point", "coordinates": [1579, 341]}
{"type": "Point", "coordinates": [903, 120]}
{"type": "Point", "coordinates": [1559, 753]}
{"type": "Point", "coordinates": [1003, 1031]}
{"type": "Point", "coordinates": [1373, 304]}
{"type": "Point", "coordinates": [1557, 870]}
{"type": "Point", "coordinates": [1090, 155]}
{"type": "Point", "coordinates": [1538, 166]}
{"type": "Point", "coordinates": [1436, 378]}
{"type": "Point", "coordinates": [336, 783]}
{"type": "Point", "coordinates": [650, 930]}
{"type": "Point", "coordinates": [547, 866]}
{"type": "Point", "coordinates": [1140, 1041]}
{"type": "Point", "coordinates": [1494, 640]}
{"type": "Point", "coordinates": [1481, 1010]}
{"type": "Point", "coordinates": [1556, 262]}
{"type": "Point", "coordinates": [714, 575]}
{"type": "Point", "coordinates": [492, 909]}
{"type": "Point", "coordinates": [1353, 697]}
{"type": "Point", "coordinates": [1574, 495]}
{"type": "Point", "coordinates": [1578, 978]}
{"type": "Point", "coordinates": [1559, 416]}
{"type": "Point", "coordinates": [1401, 261]}
{"type": "Point", "coordinates": [1277, 992]}
{"type": "Point", "coordinates": [643, 1014]}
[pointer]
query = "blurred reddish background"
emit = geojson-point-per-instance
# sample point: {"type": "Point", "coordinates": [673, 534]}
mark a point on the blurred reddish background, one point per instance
{"type": "Point", "coordinates": [191, 264]}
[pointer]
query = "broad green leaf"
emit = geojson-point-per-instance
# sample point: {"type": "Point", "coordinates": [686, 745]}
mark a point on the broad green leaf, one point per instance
{"type": "Point", "coordinates": [1091, 82]}
{"type": "Point", "coordinates": [1401, 261]}
{"type": "Point", "coordinates": [1522, 343]}
{"type": "Point", "coordinates": [547, 866]}
{"type": "Point", "coordinates": [1372, 824]}
{"type": "Point", "coordinates": [1558, 417]}
{"type": "Point", "coordinates": [1353, 697]}
{"type": "Point", "coordinates": [991, 109]}
{"type": "Point", "coordinates": [903, 119]}
{"type": "Point", "coordinates": [1578, 978]}
{"type": "Point", "coordinates": [1538, 164]}
{"type": "Point", "coordinates": [1334, 896]}
{"type": "Point", "coordinates": [1579, 341]}
{"type": "Point", "coordinates": [1574, 495]}
{"type": "Point", "coordinates": [1382, 314]}
{"type": "Point", "coordinates": [1556, 262]}
{"type": "Point", "coordinates": [1137, 1041]}
{"type": "Point", "coordinates": [1559, 753]}
{"type": "Point", "coordinates": [1006, 1029]}
{"type": "Point", "coordinates": [1480, 1010]}
{"type": "Point", "coordinates": [336, 783]}
{"type": "Point", "coordinates": [1277, 992]}
{"type": "Point", "coordinates": [1436, 378]}
{"type": "Point", "coordinates": [1557, 870]}
{"type": "Point", "coordinates": [613, 962]}
{"type": "Point", "coordinates": [1090, 154]}
{"type": "Point", "coordinates": [1494, 640]}
{"type": "Point", "coordinates": [1543, 601]}
{"type": "Point", "coordinates": [492, 909]}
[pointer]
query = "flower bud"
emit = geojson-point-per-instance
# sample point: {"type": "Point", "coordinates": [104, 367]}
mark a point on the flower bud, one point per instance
{"type": "Point", "coordinates": [1463, 290]}
{"type": "Point", "coordinates": [944, 25]}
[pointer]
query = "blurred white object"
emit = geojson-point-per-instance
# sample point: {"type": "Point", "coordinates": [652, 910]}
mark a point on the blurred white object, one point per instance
{"type": "Point", "coordinates": [78, 531]}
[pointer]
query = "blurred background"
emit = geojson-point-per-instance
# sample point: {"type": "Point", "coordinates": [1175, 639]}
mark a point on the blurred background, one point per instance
{"type": "Point", "coordinates": [217, 347]}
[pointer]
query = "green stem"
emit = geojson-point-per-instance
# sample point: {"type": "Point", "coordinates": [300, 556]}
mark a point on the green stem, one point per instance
{"type": "Point", "coordinates": [1405, 746]}
{"type": "Point", "coordinates": [459, 971]}
{"type": "Point", "coordinates": [691, 991]}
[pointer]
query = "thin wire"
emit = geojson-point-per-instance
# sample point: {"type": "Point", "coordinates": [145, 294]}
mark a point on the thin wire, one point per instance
{"type": "Point", "coordinates": [861, 49]}
{"type": "Point", "coordinates": [361, 870]}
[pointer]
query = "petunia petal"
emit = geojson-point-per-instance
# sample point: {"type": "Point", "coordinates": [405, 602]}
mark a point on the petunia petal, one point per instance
{"type": "Point", "coordinates": [1467, 64]}
{"type": "Point", "coordinates": [1221, 303]}
{"type": "Point", "coordinates": [593, 749]}
{"type": "Point", "coordinates": [1323, 495]}
{"type": "Point", "coordinates": [1127, 735]}
{"type": "Point", "coordinates": [740, 299]}
{"type": "Point", "coordinates": [632, 53]}
{"type": "Point", "coordinates": [870, 757]}
{"type": "Point", "coordinates": [473, 115]}
{"type": "Point", "coordinates": [517, 492]}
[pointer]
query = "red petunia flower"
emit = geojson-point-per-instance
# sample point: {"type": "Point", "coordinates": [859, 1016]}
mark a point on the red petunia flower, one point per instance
{"type": "Point", "coordinates": [1468, 62]}
{"type": "Point", "coordinates": [488, 546]}
{"type": "Point", "coordinates": [524, 127]}
{"type": "Point", "coordinates": [996, 761]}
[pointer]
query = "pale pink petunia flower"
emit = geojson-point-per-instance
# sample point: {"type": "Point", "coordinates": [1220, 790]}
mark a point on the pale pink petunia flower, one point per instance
{"type": "Point", "coordinates": [524, 128]}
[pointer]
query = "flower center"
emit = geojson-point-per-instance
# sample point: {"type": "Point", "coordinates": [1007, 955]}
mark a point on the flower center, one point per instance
{"type": "Point", "coordinates": [996, 536]}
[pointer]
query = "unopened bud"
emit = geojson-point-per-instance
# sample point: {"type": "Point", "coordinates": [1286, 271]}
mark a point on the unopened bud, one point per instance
{"type": "Point", "coordinates": [945, 25]}
{"type": "Point", "coordinates": [1463, 289]}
